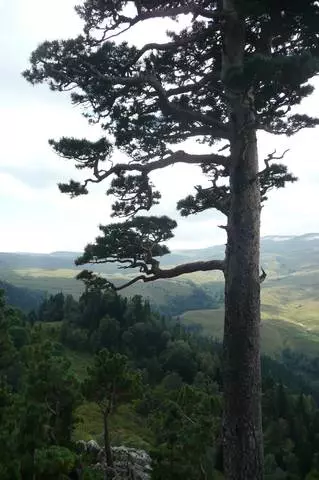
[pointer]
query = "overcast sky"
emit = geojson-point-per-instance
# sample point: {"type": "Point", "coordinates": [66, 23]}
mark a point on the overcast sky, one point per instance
{"type": "Point", "coordinates": [35, 217]}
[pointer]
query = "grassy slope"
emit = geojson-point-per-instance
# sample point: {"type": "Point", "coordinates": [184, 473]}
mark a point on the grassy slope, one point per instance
{"type": "Point", "coordinates": [290, 299]}
{"type": "Point", "coordinates": [126, 428]}
{"type": "Point", "coordinates": [48, 280]}
{"type": "Point", "coordinates": [276, 334]}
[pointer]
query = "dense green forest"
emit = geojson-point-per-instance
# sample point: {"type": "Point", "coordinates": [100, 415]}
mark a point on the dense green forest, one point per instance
{"type": "Point", "coordinates": [53, 359]}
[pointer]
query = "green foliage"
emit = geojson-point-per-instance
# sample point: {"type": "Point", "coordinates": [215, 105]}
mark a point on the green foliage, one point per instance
{"type": "Point", "coordinates": [187, 426]}
{"type": "Point", "coordinates": [287, 436]}
{"type": "Point", "coordinates": [92, 474]}
{"type": "Point", "coordinates": [38, 397]}
{"type": "Point", "coordinates": [75, 338]}
{"type": "Point", "coordinates": [49, 382]}
{"type": "Point", "coordinates": [179, 357]}
{"type": "Point", "coordinates": [107, 336]}
{"type": "Point", "coordinates": [6, 346]}
{"type": "Point", "coordinates": [133, 244]}
{"type": "Point", "coordinates": [52, 309]}
{"type": "Point", "coordinates": [110, 381]}
{"type": "Point", "coordinates": [54, 463]}
{"type": "Point", "coordinates": [9, 461]}
{"type": "Point", "coordinates": [313, 475]}
{"type": "Point", "coordinates": [138, 238]}
{"type": "Point", "coordinates": [20, 336]}
{"type": "Point", "coordinates": [177, 416]}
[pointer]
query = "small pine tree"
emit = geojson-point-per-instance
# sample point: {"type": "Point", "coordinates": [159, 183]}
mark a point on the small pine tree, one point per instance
{"type": "Point", "coordinates": [110, 382]}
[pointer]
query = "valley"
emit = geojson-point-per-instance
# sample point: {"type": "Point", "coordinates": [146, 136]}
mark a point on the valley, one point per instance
{"type": "Point", "coordinates": [290, 293]}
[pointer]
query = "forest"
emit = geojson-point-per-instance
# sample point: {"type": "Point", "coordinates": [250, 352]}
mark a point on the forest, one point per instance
{"type": "Point", "coordinates": [167, 377]}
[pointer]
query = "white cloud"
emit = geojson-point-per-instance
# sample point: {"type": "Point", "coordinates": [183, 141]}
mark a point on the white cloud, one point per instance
{"type": "Point", "coordinates": [13, 187]}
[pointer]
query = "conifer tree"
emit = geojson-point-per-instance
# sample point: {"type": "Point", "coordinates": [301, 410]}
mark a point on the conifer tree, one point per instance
{"type": "Point", "coordinates": [240, 66]}
{"type": "Point", "coordinates": [110, 382]}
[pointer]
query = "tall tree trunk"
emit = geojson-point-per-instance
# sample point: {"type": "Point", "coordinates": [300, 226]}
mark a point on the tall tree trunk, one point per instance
{"type": "Point", "coordinates": [242, 435]}
{"type": "Point", "coordinates": [107, 444]}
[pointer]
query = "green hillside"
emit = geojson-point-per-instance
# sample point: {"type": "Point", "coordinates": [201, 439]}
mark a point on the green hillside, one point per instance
{"type": "Point", "coordinates": [290, 294]}
{"type": "Point", "coordinates": [277, 335]}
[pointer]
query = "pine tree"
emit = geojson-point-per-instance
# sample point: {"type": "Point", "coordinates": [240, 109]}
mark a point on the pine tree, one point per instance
{"type": "Point", "coordinates": [240, 66]}
{"type": "Point", "coordinates": [110, 382]}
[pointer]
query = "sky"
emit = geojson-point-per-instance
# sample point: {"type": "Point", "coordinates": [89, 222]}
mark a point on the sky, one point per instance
{"type": "Point", "coordinates": [36, 217]}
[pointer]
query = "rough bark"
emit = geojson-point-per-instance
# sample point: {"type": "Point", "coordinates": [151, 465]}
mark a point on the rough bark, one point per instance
{"type": "Point", "coordinates": [242, 378]}
{"type": "Point", "coordinates": [242, 427]}
{"type": "Point", "coordinates": [107, 444]}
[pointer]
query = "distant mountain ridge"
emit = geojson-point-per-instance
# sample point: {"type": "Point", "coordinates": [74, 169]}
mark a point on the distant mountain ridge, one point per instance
{"type": "Point", "coordinates": [305, 236]}
{"type": "Point", "coordinates": [271, 244]}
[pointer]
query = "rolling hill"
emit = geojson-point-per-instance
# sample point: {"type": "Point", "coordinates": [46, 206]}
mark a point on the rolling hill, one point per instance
{"type": "Point", "coordinates": [290, 294]}
{"type": "Point", "coordinates": [277, 335]}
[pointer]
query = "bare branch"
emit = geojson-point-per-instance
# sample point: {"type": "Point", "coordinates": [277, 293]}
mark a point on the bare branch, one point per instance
{"type": "Point", "coordinates": [263, 275]}
{"type": "Point", "coordinates": [177, 157]}
{"type": "Point", "coordinates": [272, 156]}
{"type": "Point", "coordinates": [225, 147]}
{"type": "Point", "coordinates": [204, 82]}
{"type": "Point", "coordinates": [176, 271]}
{"type": "Point", "coordinates": [162, 46]}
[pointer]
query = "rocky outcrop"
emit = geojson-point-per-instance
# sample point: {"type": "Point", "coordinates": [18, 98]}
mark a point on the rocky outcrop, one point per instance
{"type": "Point", "coordinates": [129, 463]}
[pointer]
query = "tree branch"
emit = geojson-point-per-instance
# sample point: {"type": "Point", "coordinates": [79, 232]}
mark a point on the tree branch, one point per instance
{"type": "Point", "coordinates": [220, 129]}
{"type": "Point", "coordinates": [272, 156]}
{"type": "Point", "coordinates": [209, 81]}
{"type": "Point", "coordinates": [176, 157]}
{"type": "Point", "coordinates": [185, 268]}
{"type": "Point", "coordinates": [173, 12]}
{"type": "Point", "coordinates": [179, 42]}
{"type": "Point", "coordinates": [217, 197]}
{"type": "Point", "coordinates": [263, 276]}
{"type": "Point", "coordinates": [274, 175]}
{"type": "Point", "coordinates": [160, 13]}
{"type": "Point", "coordinates": [161, 46]}
{"type": "Point", "coordinates": [182, 112]}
